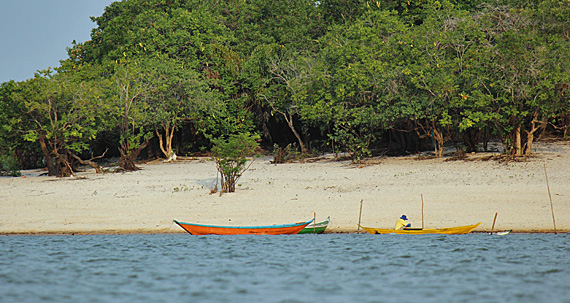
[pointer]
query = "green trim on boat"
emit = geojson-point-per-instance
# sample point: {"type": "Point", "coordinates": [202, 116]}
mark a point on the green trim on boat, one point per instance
{"type": "Point", "coordinates": [318, 228]}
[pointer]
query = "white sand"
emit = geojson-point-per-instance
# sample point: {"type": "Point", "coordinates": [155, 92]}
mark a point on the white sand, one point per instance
{"type": "Point", "coordinates": [454, 192]}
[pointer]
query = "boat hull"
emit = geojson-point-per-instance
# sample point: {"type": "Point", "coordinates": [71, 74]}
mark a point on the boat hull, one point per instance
{"type": "Point", "coordinates": [284, 229]}
{"type": "Point", "coordinates": [502, 233]}
{"type": "Point", "coordinates": [317, 228]}
{"type": "Point", "coordinates": [459, 230]}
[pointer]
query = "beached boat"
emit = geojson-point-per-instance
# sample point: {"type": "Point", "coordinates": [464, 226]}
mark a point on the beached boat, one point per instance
{"type": "Point", "coordinates": [502, 233]}
{"type": "Point", "coordinates": [283, 229]}
{"type": "Point", "coordinates": [459, 230]}
{"type": "Point", "coordinates": [316, 228]}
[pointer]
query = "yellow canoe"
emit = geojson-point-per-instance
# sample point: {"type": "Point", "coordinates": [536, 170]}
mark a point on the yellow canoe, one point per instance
{"type": "Point", "coordinates": [459, 230]}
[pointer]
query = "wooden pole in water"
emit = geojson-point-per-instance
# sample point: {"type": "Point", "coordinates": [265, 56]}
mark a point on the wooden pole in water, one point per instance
{"type": "Point", "coordinates": [359, 216]}
{"type": "Point", "coordinates": [493, 227]}
{"type": "Point", "coordinates": [422, 210]}
{"type": "Point", "coordinates": [314, 222]}
{"type": "Point", "coordinates": [550, 196]}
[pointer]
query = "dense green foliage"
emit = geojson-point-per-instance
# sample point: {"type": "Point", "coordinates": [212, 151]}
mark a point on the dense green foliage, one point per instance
{"type": "Point", "coordinates": [358, 76]}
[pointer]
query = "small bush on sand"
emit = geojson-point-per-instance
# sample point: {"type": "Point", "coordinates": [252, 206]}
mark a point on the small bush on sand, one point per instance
{"type": "Point", "coordinates": [231, 155]}
{"type": "Point", "coordinates": [284, 155]}
{"type": "Point", "coordinates": [9, 166]}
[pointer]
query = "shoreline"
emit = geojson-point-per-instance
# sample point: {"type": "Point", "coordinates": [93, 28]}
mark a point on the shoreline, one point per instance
{"type": "Point", "coordinates": [130, 233]}
{"type": "Point", "coordinates": [454, 193]}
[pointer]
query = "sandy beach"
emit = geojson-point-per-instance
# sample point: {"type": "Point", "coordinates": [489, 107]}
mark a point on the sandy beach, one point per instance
{"type": "Point", "coordinates": [455, 193]}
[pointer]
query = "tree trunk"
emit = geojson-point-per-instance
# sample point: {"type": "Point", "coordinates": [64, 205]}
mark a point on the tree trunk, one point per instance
{"type": "Point", "coordinates": [52, 170]}
{"type": "Point", "coordinates": [438, 141]}
{"type": "Point", "coordinates": [166, 142]}
{"type": "Point", "coordinates": [530, 133]}
{"type": "Point", "coordinates": [518, 142]}
{"type": "Point", "coordinates": [528, 144]}
{"type": "Point", "coordinates": [128, 156]}
{"type": "Point", "coordinates": [289, 120]}
{"type": "Point", "coordinates": [127, 162]}
{"type": "Point", "coordinates": [471, 139]}
{"type": "Point", "coordinates": [97, 167]}
{"type": "Point", "coordinates": [431, 131]}
{"type": "Point", "coordinates": [64, 165]}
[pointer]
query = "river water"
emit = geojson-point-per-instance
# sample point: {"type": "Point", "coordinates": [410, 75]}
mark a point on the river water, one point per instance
{"type": "Point", "coordinates": [296, 268]}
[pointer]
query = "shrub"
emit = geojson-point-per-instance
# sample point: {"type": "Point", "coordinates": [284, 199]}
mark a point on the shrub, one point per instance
{"type": "Point", "coordinates": [284, 155]}
{"type": "Point", "coordinates": [230, 157]}
{"type": "Point", "coordinates": [9, 166]}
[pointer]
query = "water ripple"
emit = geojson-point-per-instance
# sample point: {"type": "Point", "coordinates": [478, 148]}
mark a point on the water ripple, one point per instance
{"type": "Point", "coordinates": [334, 268]}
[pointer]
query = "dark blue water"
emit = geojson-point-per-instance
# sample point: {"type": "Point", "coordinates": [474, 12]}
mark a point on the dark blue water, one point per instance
{"type": "Point", "coordinates": [297, 268]}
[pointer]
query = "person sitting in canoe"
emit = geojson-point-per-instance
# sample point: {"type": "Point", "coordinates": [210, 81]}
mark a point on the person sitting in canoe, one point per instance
{"type": "Point", "coordinates": [402, 223]}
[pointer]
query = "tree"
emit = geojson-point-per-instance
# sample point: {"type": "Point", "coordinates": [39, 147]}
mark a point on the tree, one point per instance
{"type": "Point", "coordinates": [188, 34]}
{"type": "Point", "coordinates": [552, 19]}
{"type": "Point", "coordinates": [276, 41]}
{"type": "Point", "coordinates": [150, 28]}
{"type": "Point", "coordinates": [440, 53]}
{"type": "Point", "coordinates": [10, 117]}
{"type": "Point", "coordinates": [65, 111]}
{"type": "Point", "coordinates": [350, 89]}
{"type": "Point", "coordinates": [518, 76]}
{"type": "Point", "coordinates": [290, 73]}
{"type": "Point", "coordinates": [231, 155]}
{"type": "Point", "coordinates": [356, 70]}
{"type": "Point", "coordinates": [177, 94]}
{"type": "Point", "coordinates": [131, 84]}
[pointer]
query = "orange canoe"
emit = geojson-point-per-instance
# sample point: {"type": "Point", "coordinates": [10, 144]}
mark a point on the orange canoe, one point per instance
{"type": "Point", "coordinates": [283, 229]}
